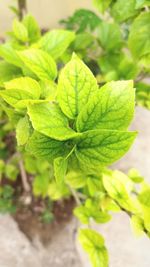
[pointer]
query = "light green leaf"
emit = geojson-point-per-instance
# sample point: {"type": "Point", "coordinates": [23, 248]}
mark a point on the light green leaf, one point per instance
{"type": "Point", "coordinates": [48, 90]}
{"type": "Point", "coordinates": [40, 185]}
{"type": "Point", "coordinates": [48, 119]}
{"type": "Point", "coordinates": [109, 35]}
{"type": "Point", "coordinates": [46, 148]}
{"type": "Point", "coordinates": [139, 37]}
{"type": "Point", "coordinates": [8, 72]}
{"type": "Point", "coordinates": [14, 96]}
{"type": "Point", "coordinates": [75, 87]}
{"type": "Point", "coordinates": [93, 244]}
{"type": "Point", "coordinates": [75, 179]}
{"type": "Point", "coordinates": [26, 84]}
{"type": "Point", "coordinates": [60, 169]}
{"type": "Point", "coordinates": [56, 191]}
{"type": "Point", "coordinates": [135, 176]}
{"type": "Point", "coordinates": [101, 5]}
{"type": "Point", "coordinates": [23, 131]}
{"type": "Point", "coordinates": [111, 108]}
{"type": "Point", "coordinates": [40, 63]}
{"type": "Point", "coordinates": [10, 55]}
{"type": "Point", "coordinates": [56, 42]}
{"type": "Point", "coordinates": [20, 31]}
{"type": "Point", "coordinates": [123, 10]}
{"type": "Point", "coordinates": [144, 198]}
{"type": "Point", "coordinates": [137, 225]}
{"type": "Point", "coordinates": [32, 27]}
{"type": "Point", "coordinates": [103, 147]}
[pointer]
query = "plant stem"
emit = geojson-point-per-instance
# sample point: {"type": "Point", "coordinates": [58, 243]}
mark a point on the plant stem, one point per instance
{"type": "Point", "coordinates": [24, 178]}
{"type": "Point", "coordinates": [75, 195]}
{"type": "Point", "coordinates": [22, 6]}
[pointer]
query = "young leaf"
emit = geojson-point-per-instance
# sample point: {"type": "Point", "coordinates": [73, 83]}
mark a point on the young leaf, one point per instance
{"type": "Point", "coordinates": [20, 31]}
{"type": "Point", "coordinates": [139, 37]}
{"type": "Point", "coordinates": [40, 185]}
{"type": "Point", "coordinates": [26, 84]}
{"type": "Point", "coordinates": [56, 191]}
{"type": "Point", "coordinates": [46, 148]}
{"type": "Point", "coordinates": [60, 168]}
{"type": "Point", "coordinates": [137, 225]}
{"type": "Point", "coordinates": [32, 27]}
{"type": "Point", "coordinates": [144, 198]}
{"type": "Point", "coordinates": [48, 119]}
{"type": "Point", "coordinates": [22, 131]}
{"type": "Point", "coordinates": [14, 96]}
{"type": "Point", "coordinates": [109, 35]}
{"type": "Point", "coordinates": [56, 42]}
{"type": "Point", "coordinates": [75, 87]}
{"type": "Point", "coordinates": [123, 10]}
{"type": "Point", "coordinates": [75, 179]}
{"type": "Point", "coordinates": [102, 5]}
{"type": "Point", "coordinates": [10, 55]}
{"type": "Point", "coordinates": [93, 244]}
{"type": "Point", "coordinates": [103, 147]}
{"type": "Point", "coordinates": [111, 108]}
{"type": "Point", "coordinates": [40, 63]}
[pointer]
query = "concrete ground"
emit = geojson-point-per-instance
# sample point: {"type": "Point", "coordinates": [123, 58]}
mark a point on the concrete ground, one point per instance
{"type": "Point", "coordinates": [124, 249]}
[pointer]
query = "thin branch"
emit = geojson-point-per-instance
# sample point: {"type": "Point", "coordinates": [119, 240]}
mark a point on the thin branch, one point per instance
{"type": "Point", "coordinates": [75, 195]}
{"type": "Point", "coordinates": [24, 178]}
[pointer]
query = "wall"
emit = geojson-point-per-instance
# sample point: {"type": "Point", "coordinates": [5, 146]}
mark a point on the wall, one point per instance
{"type": "Point", "coordinates": [47, 12]}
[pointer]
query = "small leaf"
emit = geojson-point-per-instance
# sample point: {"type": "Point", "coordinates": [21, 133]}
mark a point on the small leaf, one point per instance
{"type": "Point", "coordinates": [40, 63]}
{"type": "Point", "coordinates": [56, 42]}
{"type": "Point", "coordinates": [75, 179]}
{"type": "Point", "coordinates": [93, 244]}
{"type": "Point", "coordinates": [32, 27]}
{"type": "Point", "coordinates": [56, 192]}
{"type": "Point", "coordinates": [23, 131]}
{"type": "Point", "coordinates": [111, 108]}
{"type": "Point", "coordinates": [139, 38]}
{"type": "Point", "coordinates": [144, 198]}
{"type": "Point", "coordinates": [48, 119]}
{"type": "Point", "coordinates": [20, 31]}
{"type": "Point", "coordinates": [135, 176]}
{"type": "Point", "coordinates": [75, 87]}
{"type": "Point", "coordinates": [46, 148]}
{"type": "Point", "coordinates": [40, 185]}
{"type": "Point", "coordinates": [60, 169]}
{"type": "Point", "coordinates": [137, 225]}
{"type": "Point", "coordinates": [103, 147]}
{"type": "Point", "coordinates": [123, 10]}
{"type": "Point", "coordinates": [102, 5]}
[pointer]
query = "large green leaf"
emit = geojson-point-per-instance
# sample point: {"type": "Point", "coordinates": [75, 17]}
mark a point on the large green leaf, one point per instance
{"type": "Point", "coordinates": [75, 87]}
{"type": "Point", "coordinates": [56, 42]}
{"type": "Point", "coordinates": [48, 119]}
{"type": "Point", "coordinates": [93, 244]}
{"type": "Point", "coordinates": [40, 63]}
{"type": "Point", "coordinates": [111, 108]}
{"type": "Point", "coordinates": [10, 55]}
{"type": "Point", "coordinates": [46, 148]}
{"type": "Point", "coordinates": [139, 37]}
{"type": "Point", "coordinates": [103, 147]}
{"type": "Point", "coordinates": [123, 10]}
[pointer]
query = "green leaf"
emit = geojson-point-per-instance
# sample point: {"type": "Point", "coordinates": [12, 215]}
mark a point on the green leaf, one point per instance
{"type": "Point", "coordinates": [40, 185]}
{"type": "Point", "coordinates": [60, 169]}
{"type": "Point", "coordinates": [103, 147]}
{"type": "Point", "coordinates": [75, 87]}
{"type": "Point", "coordinates": [56, 42]}
{"type": "Point", "coordinates": [46, 148]}
{"type": "Point", "coordinates": [40, 63]}
{"type": "Point", "coordinates": [144, 198]}
{"type": "Point", "coordinates": [111, 108]}
{"type": "Point", "coordinates": [139, 38]}
{"type": "Point", "coordinates": [93, 244]}
{"type": "Point", "coordinates": [26, 84]}
{"type": "Point", "coordinates": [32, 27]}
{"type": "Point", "coordinates": [123, 10]}
{"type": "Point", "coordinates": [137, 225]}
{"type": "Point", "coordinates": [56, 191]}
{"type": "Point", "coordinates": [14, 97]}
{"type": "Point", "coordinates": [8, 72]}
{"type": "Point", "coordinates": [23, 131]}
{"type": "Point", "coordinates": [135, 176]}
{"type": "Point", "coordinates": [109, 35]}
{"type": "Point", "coordinates": [102, 5]}
{"type": "Point", "coordinates": [48, 119]}
{"type": "Point", "coordinates": [75, 179]}
{"type": "Point", "coordinates": [20, 31]}
{"type": "Point", "coordinates": [91, 211]}
{"type": "Point", "coordinates": [11, 172]}
{"type": "Point", "coordinates": [10, 55]}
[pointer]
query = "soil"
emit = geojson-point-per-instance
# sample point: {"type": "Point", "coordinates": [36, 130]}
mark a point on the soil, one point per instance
{"type": "Point", "coordinates": [29, 220]}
